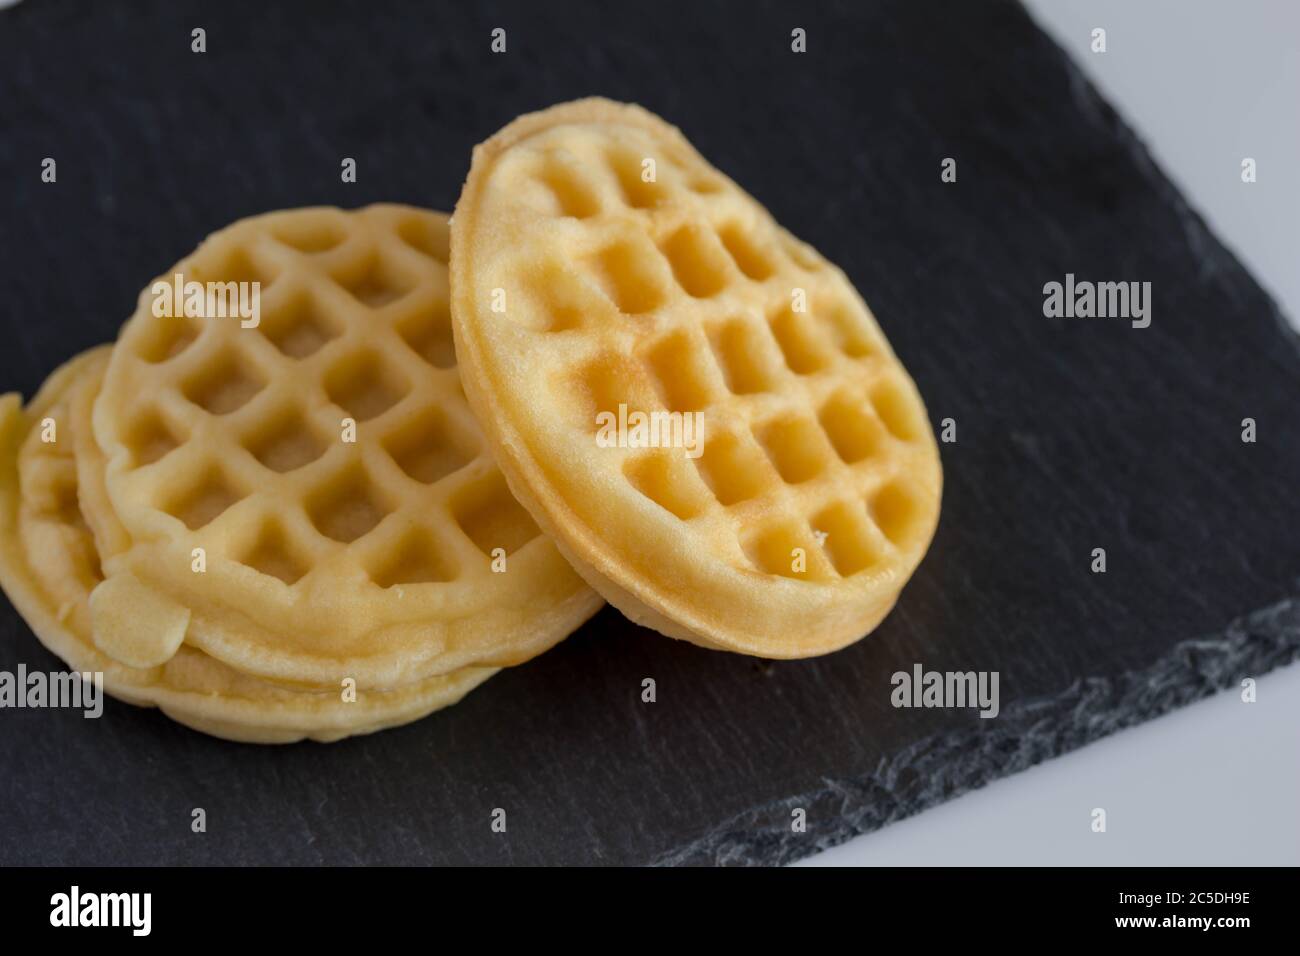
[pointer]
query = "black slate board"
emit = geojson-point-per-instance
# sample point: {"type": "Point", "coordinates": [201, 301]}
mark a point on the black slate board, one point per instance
{"type": "Point", "coordinates": [1073, 433]}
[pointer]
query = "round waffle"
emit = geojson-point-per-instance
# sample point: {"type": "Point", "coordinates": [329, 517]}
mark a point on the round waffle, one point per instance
{"type": "Point", "coordinates": [49, 565]}
{"type": "Point", "coordinates": [313, 488]}
{"type": "Point", "coordinates": [600, 268]}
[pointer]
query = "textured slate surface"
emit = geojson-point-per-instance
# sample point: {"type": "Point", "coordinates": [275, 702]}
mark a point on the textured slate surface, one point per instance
{"type": "Point", "coordinates": [1073, 433]}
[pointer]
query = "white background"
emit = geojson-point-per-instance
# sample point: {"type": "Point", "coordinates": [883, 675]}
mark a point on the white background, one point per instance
{"type": "Point", "coordinates": [1205, 84]}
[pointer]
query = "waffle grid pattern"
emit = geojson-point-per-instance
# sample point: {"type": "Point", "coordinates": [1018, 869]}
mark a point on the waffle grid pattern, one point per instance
{"type": "Point", "coordinates": [681, 300]}
{"type": "Point", "coordinates": [233, 435]}
{"type": "Point", "coordinates": [49, 565]}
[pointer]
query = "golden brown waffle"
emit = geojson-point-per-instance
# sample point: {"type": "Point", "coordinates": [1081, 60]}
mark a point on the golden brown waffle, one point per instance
{"type": "Point", "coordinates": [598, 260]}
{"type": "Point", "coordinates": [325, 558]}
{"type": "Point", "coordinates": [49, 565]}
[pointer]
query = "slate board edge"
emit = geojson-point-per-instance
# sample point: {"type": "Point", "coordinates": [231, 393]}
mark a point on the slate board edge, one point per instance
{"type": "Point", "coordinates": [1024, 734]}
{"type": "Point", "coordinates": [1089, 709]}
{"type": "Point", "coordinates": [1196, 230]}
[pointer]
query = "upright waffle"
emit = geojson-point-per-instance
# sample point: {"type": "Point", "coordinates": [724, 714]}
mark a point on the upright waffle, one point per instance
{"type": "Point", "coordinates": [599, 262]}
{"type": "Point", "coordinates": [49, 565]}
{"type": "Point", "coordinates": [303, 556]}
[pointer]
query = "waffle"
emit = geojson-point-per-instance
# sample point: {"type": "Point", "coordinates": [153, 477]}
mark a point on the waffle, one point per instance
{"type": "Point", "coordinates": [49, 565]}
{"type": "Point", "coordinates": [580, 285]}
{"type": "Point", "coordinates": [325, 558]}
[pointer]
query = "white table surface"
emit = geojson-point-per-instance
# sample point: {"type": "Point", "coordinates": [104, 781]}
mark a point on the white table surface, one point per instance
{"type": "Point", "coordinates": [1205, 83]}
